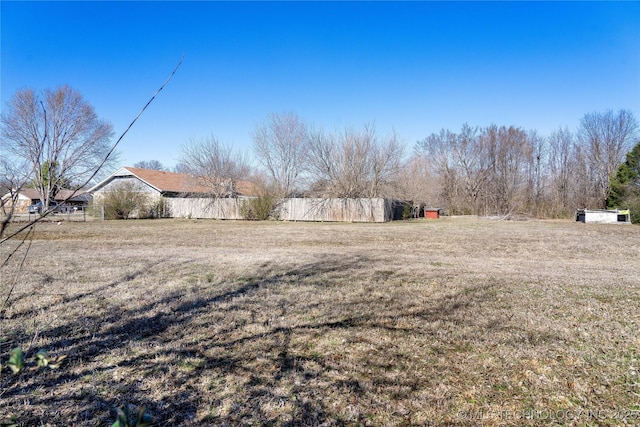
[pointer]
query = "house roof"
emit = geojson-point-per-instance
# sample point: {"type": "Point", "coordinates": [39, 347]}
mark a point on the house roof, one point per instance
{"type": "Point", "coordinates": [167, 181]}
{"type": "Point", "coordinates": [247, 188]}
{"type": "Point", "coordinates": [30, 193]}
{"type": "Point", "coordinates": [171, 182]}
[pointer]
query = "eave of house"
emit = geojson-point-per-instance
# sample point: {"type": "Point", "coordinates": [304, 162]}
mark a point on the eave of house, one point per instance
{"type": "Point", "coordinates": [122, 172]}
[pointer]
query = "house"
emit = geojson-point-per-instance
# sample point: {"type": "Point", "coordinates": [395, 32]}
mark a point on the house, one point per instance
{"type": "Point", "coordinates": [604, 216]}
{"type": "Point", "coordinates": [153, 182]}
{"type": "Point", "coordinates": [163, 184]}
{"type": "Point", "coordinates": [183, 194]}
{"type": "Point", "coordinates": [30, 196]}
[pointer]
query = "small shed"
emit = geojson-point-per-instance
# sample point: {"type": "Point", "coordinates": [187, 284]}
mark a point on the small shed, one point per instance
{"type": "Point", "coordinates": [432, 213]}
{"type": "Point", "coordinates": [614, 216]}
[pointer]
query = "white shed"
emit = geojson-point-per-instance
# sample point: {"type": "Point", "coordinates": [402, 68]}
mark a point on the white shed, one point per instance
{"type": "Point", "coordinates": [604, 216]}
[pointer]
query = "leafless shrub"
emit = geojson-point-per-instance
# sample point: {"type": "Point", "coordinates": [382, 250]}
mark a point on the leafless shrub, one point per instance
{"type": "Point", "coordinates": [123, 202]}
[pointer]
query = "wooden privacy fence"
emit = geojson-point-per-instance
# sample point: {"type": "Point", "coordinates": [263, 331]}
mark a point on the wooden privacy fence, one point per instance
{"type": "Point", "coordinates": [342, 210]}
{"type": "Point", "coordinates": [188, 207]}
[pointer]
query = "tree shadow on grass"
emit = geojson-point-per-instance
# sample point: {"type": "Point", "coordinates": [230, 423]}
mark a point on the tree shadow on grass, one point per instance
{"type": "Point", "coordinates": [263, 351]}
{"type": "Point", "coordinates": [47, 286]}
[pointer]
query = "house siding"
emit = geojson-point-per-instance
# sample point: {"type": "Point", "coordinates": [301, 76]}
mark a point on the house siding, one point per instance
{"type": "Point", "coordinates": [120, 181]}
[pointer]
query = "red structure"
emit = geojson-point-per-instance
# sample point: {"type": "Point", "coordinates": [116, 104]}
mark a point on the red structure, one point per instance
{"type": "Point", "coordinates": [431, 213]}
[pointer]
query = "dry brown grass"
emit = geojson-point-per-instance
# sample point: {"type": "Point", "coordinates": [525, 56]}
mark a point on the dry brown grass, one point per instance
{"type": "Point", "coordinates": [453, 322]}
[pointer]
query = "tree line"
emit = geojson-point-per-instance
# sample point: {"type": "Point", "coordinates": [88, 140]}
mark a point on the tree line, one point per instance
{"type": "Point", "coordinates": [495, 170]}
{"type": "Point", "coordinates": [296, 161]}
{"type": "Point", "coordinates": [502, 170]}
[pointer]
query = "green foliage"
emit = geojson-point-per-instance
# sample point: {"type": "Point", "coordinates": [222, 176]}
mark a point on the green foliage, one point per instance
{"type": "Point", "coordinates": [17, 361]}
{"type": "Point", "coordinates": [50, 178]}
{"type": "Point", "coordinates": [9, 422]}
{"type": "Point", "coordinates": [142, 419]}
{"type": "Point", "coordinates": [625, 185]}
{"type": "Point", "coordinates": [259, 208]}
{"type": "Point", "coordinates": [407, 211]}
{"type": "Point", "coordinates": [44, 361]}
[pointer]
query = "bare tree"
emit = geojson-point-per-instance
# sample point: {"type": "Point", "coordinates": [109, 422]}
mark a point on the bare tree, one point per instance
{"type": "Point", "coordinates": [386, 162]}
{"type": "Point", "coordinates": [563, 173]}
{"type": "Point", "coordinates": [436, 149]}
{"type": "Point", "coordinates": [495, 170]}
{"type": "Point", "coordinates": [510, 153]}
{"type": "Point", "coordinates": [150, 164]}
{"type": "Point", "coordinates": [470, 151]}
{"type": "Point", "coordinates": [57, 135]}
{"type": "Point", "coordinates": [606, 138]}
{"type": "Point", "coordinates": [281, 146]}
{"type": "Point", "coordinates": [464, 165]}
{"type": "Point", "coordinates": [180, 168]}
{"type": "Point", "coordinates": [417, 183]}
{"type": "Point", "coordinates": [503, 170]}
{"type": "Point", "coordinates": [214, 166]}
{"type": "Point", "coordinates": [13, 177]}
{"type": "Point", "coordinates": [354, 164]}
{"type": "Point", "coordinates": [23, 109]}
{"type": "Point", "coordinates": [535, 152]}
{"type": "Point", "coordinates": [11, 128]}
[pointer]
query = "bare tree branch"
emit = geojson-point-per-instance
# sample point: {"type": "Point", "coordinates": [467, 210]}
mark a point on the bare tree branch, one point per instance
{"type": "Point", "coordinates": [214, 166]}
{"type": "Point", "coordinates": [354, 164]}
{"type": "Point", "coordinates": [31, 128]}
{"type": "Point", "coordinates": [281, 146]}
{"type": "Point", "coordinates": [606, 138]}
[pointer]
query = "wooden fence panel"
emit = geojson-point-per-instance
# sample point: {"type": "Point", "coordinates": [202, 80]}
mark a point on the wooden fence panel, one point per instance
{"type": "Point", "coordinates": [340, 210]}
{"type": "Point", "coordinates": [204, 208]}
{"type": "Point", "coordinates": [327, 210]}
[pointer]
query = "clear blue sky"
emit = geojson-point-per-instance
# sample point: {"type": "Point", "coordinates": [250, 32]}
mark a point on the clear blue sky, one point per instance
{"type": "Point", "coordinates": [415, 67]}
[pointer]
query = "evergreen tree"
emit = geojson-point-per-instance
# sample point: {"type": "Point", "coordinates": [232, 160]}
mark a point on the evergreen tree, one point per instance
{"type": "Point", "coordinates": [625, 185]}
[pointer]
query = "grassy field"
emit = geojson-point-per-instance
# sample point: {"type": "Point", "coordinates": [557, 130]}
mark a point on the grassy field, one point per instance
{"type": "Point", "coordinates": [460, 321]}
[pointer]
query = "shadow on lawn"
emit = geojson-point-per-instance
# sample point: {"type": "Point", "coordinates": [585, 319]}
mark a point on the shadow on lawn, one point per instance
{"type": "Point", "coordinates": [241, 356]}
